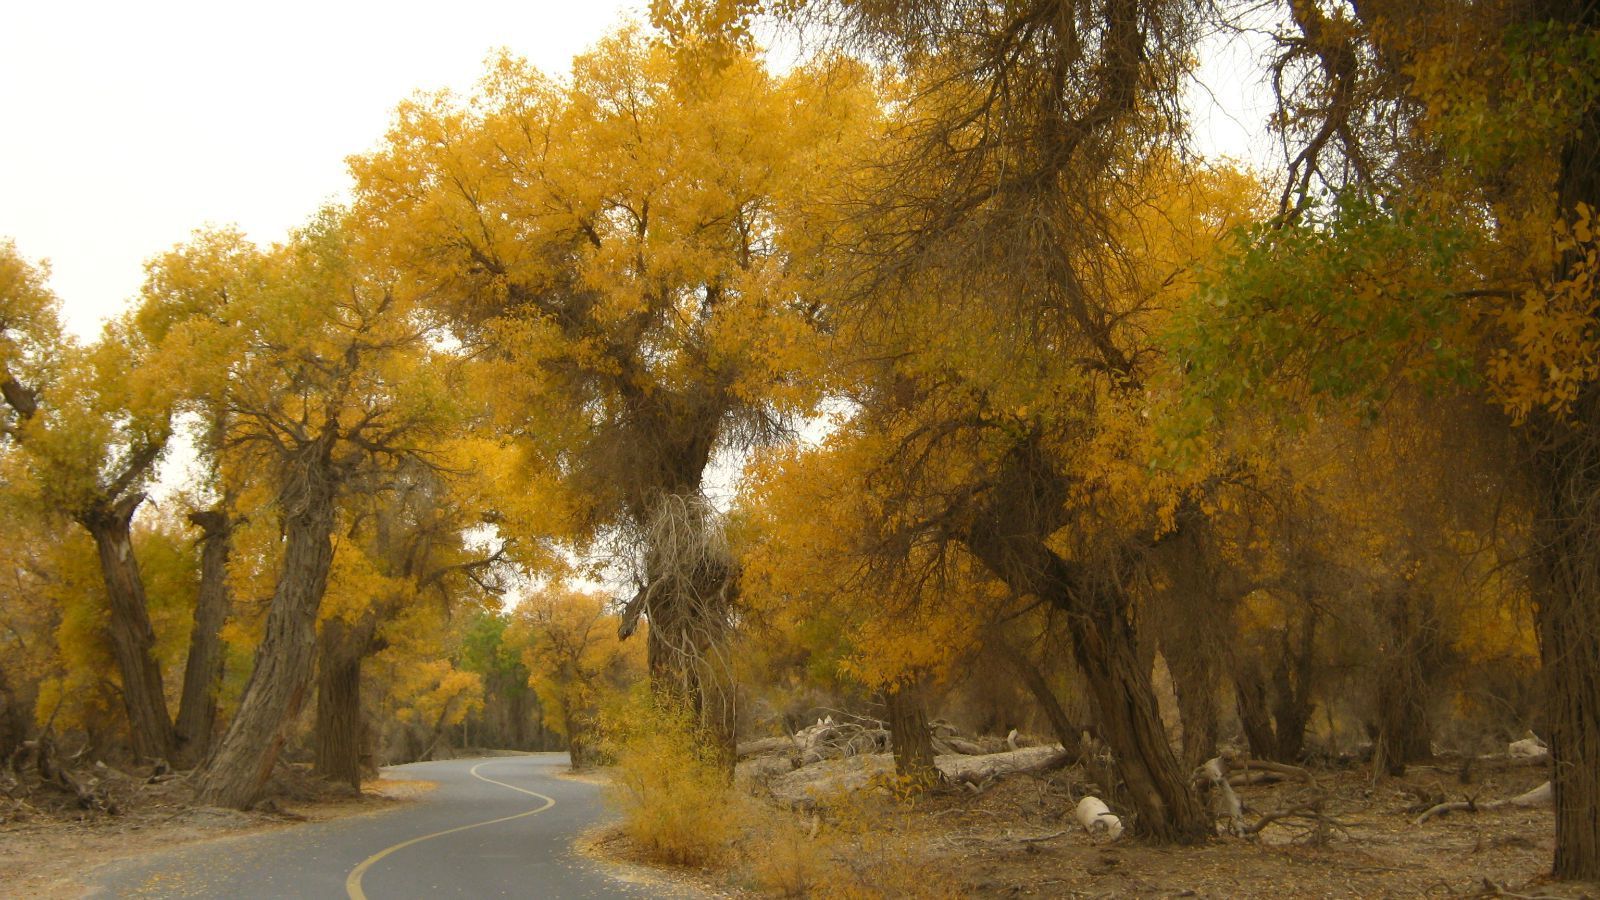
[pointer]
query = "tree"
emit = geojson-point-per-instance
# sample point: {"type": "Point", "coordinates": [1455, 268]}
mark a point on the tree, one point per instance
{"type": "Point", "coordinates": [621, 255]}
{"type": "Point", "coordinates": [1460, 161]}
{"type": "Point", "coordinates": [407, 548]}
{"type": "Point", "coordinates": [91, 430]}
{"type": "Point", "coordinates": [326, 378]}
{"type": "Point", "coordinates": [573, 656]}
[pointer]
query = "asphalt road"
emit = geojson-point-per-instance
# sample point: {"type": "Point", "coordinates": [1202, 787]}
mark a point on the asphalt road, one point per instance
{"type": "Point", "coordinates": [499, 827]}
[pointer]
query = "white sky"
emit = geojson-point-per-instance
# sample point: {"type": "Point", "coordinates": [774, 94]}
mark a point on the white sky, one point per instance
{"type": "Point", "coordinates": [129, 123]}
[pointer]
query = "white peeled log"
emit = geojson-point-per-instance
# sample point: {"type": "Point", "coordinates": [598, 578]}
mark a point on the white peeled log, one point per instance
{"type": "Point", "coordinates": [1529, 751]}
{"type": "Point", "coordinates": [1539, 796]}
{"type": "Point", "coordinates": [1527, 748]}
{"type": "Point", "coordinates": [1226, 802]}
{"type": "Point", "coordinates": [1097, 818]}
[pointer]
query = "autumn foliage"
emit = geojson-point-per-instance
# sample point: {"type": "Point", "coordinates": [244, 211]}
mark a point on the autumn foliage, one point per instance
{"type": "Point", "coordinates": [934, 375]}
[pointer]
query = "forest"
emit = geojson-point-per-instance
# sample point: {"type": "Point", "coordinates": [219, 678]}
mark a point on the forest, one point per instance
{"type": "Point", "coordinates": [931, 397]}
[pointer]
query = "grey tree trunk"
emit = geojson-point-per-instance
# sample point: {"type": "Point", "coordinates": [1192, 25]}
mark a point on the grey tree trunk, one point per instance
{"type": "Point", "coordinates": [202, 673]}
{"type": "Point", "coordinates": [909, 736]}
{"type": "Point", "coordinates": [1065, 730]}
{"type": "Point", "coordinates": [1404, 735]}
{"type": "Point", "coordinates": [338, 725]}
{"type": "Point", "coordinates": [132, 638]}
{"type": "Point", "coordinates": [238, 770]}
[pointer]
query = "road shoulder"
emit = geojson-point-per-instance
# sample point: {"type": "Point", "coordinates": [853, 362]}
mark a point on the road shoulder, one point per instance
{"type": "Point", "coordinates": [54, 856]}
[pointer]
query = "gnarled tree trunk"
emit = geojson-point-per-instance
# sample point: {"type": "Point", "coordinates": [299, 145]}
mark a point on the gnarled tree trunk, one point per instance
{"type": "Point", "coordinates": [1130, 721]}
{"type": "Point", "coordinates": [909, 736]}
{"type": "Point", "coordinates": [1068, 733]}
{"type": "Point", "coordinates": [1404, 735]}
{"type": "Point", "coordinates": [692, 582]}
{"type": "Point", "coordinates": [202, 672]}
{"type": "Point", "coordinates": [1100, 625]}
{"type": "Point", "coordinates": [237, 771]}
{"type": "Point", "coordinates": [132, 638]}
{"type": "Point", "coordinates": [338, 727]}
{"type": "Point", "coordinates": [1567, 607]}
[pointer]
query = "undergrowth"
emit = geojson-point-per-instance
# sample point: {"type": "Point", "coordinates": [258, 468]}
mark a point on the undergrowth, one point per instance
{"type": "Point", "coordinates": [680, 807]}
{"type": "Point", "coordinates": [675, 797]}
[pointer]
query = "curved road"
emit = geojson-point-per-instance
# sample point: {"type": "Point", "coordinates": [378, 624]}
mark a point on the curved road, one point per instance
{"type": "Point", "coordinates": [499, 827]}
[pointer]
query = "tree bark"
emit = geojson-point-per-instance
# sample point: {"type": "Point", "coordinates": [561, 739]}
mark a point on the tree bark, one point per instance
{"type": "Point", "coordinates": [338, 727]}
{"type": "Point", "coordinates": [1292, 705]}
{"type": "Point", "coordinates": [1197, 710]}
{"type": "Point", "coordinates": [1567, 608]}
{"type": "Point", "coordinates": [202, 672]}
{"type": "Point", "coordinates": [688, 602]}
{"type": "Point", "coordinates": [1066, 731]}
{"type": "Point", "coordinates": [14, 717]}
{"type": "Point", "coordinates": [1567, 614]}
{"type": "Point", "coordinates": [1250, 697]}
{"type": "Point", "coordinates": [1404, 733]}
{"type": "Point", "coordinates": [237, 772]}
{"type": "Point", "coordinates": [1099, 620]}
{"type": "Point", "coordinates": [1130, 721]}
{"type": "Point", "coordinates": [132, 638]}
{"type": "Point", "coordinates": [909, 736]}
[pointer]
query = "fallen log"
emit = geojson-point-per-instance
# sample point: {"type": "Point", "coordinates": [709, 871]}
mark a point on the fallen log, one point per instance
{"type": "Point", "coordinates": [947, 745]}
{"type": "Point", "coordinates": [1243, 764]}
{"type": "Point", "coordinates": [1097, 818]}
{"type": "Point", "coordinates": [1539, 796]}
{"type": "Point", "coordinates": [765, 747]}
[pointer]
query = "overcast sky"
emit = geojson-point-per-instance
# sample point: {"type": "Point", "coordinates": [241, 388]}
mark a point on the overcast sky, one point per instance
{"type": "Point", "coordinates": [129, 124]}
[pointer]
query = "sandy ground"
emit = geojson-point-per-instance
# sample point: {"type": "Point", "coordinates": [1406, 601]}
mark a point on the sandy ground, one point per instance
{"type": "Point", "coordinates": [46, 853]}
{"type": "Point", "coordinates": [1017, 838]}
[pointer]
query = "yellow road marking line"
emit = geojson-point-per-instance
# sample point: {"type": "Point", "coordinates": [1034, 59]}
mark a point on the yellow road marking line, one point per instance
{"type": "Point", "coordinates": [352, 882]}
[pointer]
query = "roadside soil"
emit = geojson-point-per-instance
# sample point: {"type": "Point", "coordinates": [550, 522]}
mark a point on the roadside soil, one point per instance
{"type": "Point", "coordinates": [1018, 838]}
{"type": "Point", "coordinates": [47, 846]}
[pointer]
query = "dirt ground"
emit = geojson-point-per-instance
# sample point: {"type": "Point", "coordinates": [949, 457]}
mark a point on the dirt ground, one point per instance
{"type": "Point", "coordinates": [1017, 838]}
{"type": "Point", "coordinates": [1020, 840]}
{"type": "Point", "coordinates": [46, 847]}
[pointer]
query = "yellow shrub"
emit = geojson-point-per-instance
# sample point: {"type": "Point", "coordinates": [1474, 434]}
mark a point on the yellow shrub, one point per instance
{"type": "Point", "coordinates": [786, 861]}
{"type": "Point", "coordinates": [675, 797]}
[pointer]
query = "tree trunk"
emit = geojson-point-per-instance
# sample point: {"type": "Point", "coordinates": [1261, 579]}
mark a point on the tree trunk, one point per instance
{"type": "Point", "coordinates": [1404, 735]}
{"type": "Point", "coordinates": [236, 773]}
{"type": "Point", "coordinates": [577, 737]}
{"type": "Point", "coordinates": [1292, 706]}
{"type": "Point", "coordinates": [909, 736]}
{"type": "Point", "coordinates": [132, 638]}
{"type": "Point", "coordinates": [14, 717]}
{"type": "Point", "coordinates": [338, 725]}
{"type": "Point", "coordinates": [1250, 698]}
{"type": "Point", "coordinates": [1569, 631]}
{"type": "Point", "coordinates": [1130, 721]}
{"type": "Point", "coordinates": [1099, 620]}
{"type": "Point", "coordinates": [1567, 613]}
{"type": "Point", "coordinates": [202, 672]}
{"type": "Point", "coordinates": [688, 602]}
{"type": "Point", "coordinates": [1567, 609]}
{"type": "Point", "coordinates": [1194, 680]}
{"type": "Point", "coordinates": [1066, 732]}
